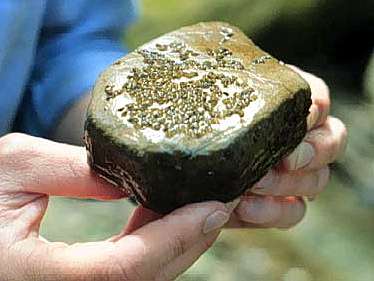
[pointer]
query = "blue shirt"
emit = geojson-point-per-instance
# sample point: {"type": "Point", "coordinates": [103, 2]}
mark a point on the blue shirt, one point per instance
{"type": "Point", "coordinates": [51, 52]}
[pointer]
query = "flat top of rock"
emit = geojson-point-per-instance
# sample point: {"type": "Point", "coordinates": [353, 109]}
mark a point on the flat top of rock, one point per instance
{"type": "Point", "coordinates": [191, 90]}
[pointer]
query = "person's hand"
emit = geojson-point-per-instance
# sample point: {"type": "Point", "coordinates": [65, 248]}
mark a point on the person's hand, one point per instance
{"type": "Point", "coordinates": [149, 248]}
{"type": "Point", "coordinates": [277, 199]}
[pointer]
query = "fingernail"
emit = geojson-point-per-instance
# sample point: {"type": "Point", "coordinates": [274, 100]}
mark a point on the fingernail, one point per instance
{"type": "Point", "coordinates": [232, 205]}
{"type": "Point", "coordinates": [301, 156]}
{"type": "Point", "coordinates": [215, 221]}
{"type": "Point", "coordinates": [266, 182]}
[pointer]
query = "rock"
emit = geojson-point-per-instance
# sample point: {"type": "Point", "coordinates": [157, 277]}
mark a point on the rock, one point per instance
{"type": "Point", "coordinates": [198, 114]}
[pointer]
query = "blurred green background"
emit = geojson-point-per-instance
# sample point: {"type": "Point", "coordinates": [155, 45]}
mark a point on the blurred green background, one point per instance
{"type": "Point", "coordinates": [333, 39]}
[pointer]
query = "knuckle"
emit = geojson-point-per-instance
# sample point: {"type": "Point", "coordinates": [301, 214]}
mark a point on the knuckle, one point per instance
{"type": "Point", "coordinates": [178, 245]}
{"type": "Point", "coordinates": [329, 140]}
{"type": "Point", "coordinates": [329, 148]}
{"type": "Point", "coordinates": [12, 143]}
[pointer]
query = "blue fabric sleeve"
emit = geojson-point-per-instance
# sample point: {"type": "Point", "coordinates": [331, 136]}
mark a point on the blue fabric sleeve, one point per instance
{"type": "Point", "coordinates": [78, 40]}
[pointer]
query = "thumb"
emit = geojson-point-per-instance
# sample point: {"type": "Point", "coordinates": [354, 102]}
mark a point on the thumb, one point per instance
{"type": "Point", "coordinates": [168, 246]}
{"type": "Point", "coordinates": [159, 250]}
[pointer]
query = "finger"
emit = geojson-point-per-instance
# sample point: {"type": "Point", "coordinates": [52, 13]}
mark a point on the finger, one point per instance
{"type": "Point", "coordinates": [320, 147]}
{"type": "Point", "coordinates": [142, 255]}
{"type": "Point", "coordinates": [175, 235]}
{"type": "Point", "coordinates": [173, 270]}
{"type": "Point", "coordinates": [142, 216]}
{"type": "Point", "coordinates": [49, 168]}
{"type": "Point", "coordinates": [258, 209]}
{"type": "Point", "coordinates": [320, 107]}
{"type": "Point", "coordinates": [297, 183]}
{"type": "Point", "coordinates": [267, 212]}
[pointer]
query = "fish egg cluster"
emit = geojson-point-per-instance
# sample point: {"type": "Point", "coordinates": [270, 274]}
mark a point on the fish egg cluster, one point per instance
{"type": "Point", "coordinates": [182, 96]}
